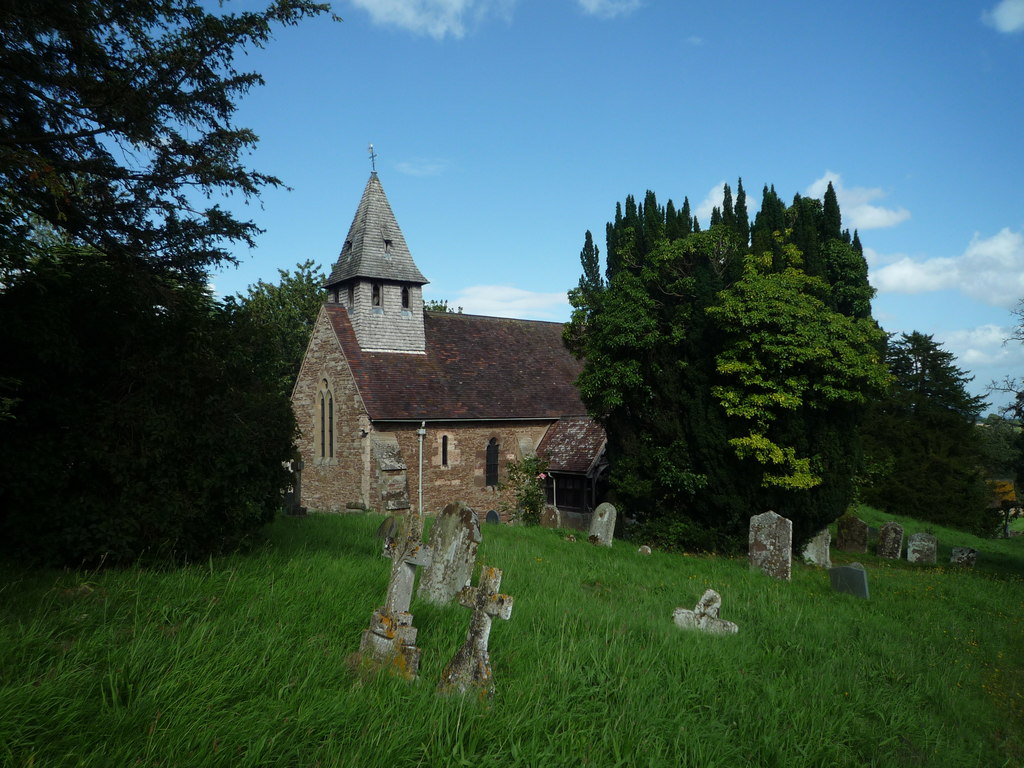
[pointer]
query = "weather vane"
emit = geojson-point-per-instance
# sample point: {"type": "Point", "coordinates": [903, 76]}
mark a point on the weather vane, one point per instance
{"type": "Point", "coordinates": [373, 159]}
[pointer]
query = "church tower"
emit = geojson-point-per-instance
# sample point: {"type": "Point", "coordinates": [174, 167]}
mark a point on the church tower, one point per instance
{"type": "Point", "coordinates": [377, 281]}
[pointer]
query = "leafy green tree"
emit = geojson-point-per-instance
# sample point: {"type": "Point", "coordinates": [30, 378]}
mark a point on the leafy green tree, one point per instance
{"type": "Point", "coordinates": [440, 305]}
{"type": "Point", "coordinates": [116, 121]}
{"type": "Point", "coordinates": [149, 422]}
{"type": "Point", "coordinates": [923, 440]}
{"type": "Point", "coordinates": [285, 312]}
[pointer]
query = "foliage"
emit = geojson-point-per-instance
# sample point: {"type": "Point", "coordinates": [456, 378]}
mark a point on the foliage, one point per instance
{"type": "Point", "coordinates": [117, 668]}
{"type": "Point", "coordinates": [922, 435]}
{"type": "Point", "coordinates": [728, 380]}
{"type": "Point", "coordinates": [526, 479]}
{"type": "Point", "coordinates": [116, 123]}
{"type": "Point", "coordinates": [285, 313]}
{"type": "Point", "coordinates": [148, 417]}
{"type": "Point", "coordinates": [440, 305]}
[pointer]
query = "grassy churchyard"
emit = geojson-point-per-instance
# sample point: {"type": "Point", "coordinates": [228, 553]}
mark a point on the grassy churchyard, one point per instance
{"type": "Point", "coordinates": [247, 661]}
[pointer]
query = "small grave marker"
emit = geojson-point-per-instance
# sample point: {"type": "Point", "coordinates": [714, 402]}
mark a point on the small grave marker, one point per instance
{"type": "Point", "coordinates": [963, 556]}
{"type": "Point", "coordinates": [921, 548]}
{"type": "Point", "coordinates": [493, 517]}
{"type": "Point", "coordinates": [602, 525]}
{"type": "Point", "coordinates": [850, 579]}
{"type": "Point", "coordinates": [453, 543]}
{"type": "Point", "coordinates": [704, 616]}
{"type": "Point", "coordinates": [890, 541]}
{"type": "Point", "coordinates": [470, 667]}
{"type": "Point", "coordinates": [816, 551]}
{"type": "Point", "coordinates": [771, 545]}
{"type": "Point", "coordinates": [851, 534]}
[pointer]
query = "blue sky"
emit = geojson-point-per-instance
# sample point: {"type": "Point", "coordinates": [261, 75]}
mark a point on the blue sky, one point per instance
{"type": "Point", "coordinates": [507, 128]}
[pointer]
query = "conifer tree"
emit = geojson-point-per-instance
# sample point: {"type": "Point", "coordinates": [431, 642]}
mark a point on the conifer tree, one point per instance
{"type": "Point", "coordinates": [742, 216]}
{"type": "Point", "coordinates": [728, 215]}
{"type": "Point", "coordinates": [831, 219]}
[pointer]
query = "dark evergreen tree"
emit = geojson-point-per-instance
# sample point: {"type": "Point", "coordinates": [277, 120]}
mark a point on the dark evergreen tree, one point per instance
{"type": "Point", "coordinates": [716, 217]}
{"type": "Point", "coordinates": [590, 258]}
{"type": "Point", "coordinates": [742, 216]}
{"type": "Point", "coordinates": [831, 219]}
{"type": "Point", "coordinates": [770, 219]}
{"type": "Point", "coordinates": [728, 214]}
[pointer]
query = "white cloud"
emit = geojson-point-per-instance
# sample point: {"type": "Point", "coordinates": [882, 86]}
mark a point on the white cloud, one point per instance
{"type": "Point", "coordinates": [695, 40]}
{"type": "Point", "coordinates": [713, 199]}
{"type": "Point", "coordinates": [1007, 16]}
{"type": "Point", "coordinates": [436, 18]}
{"type": "Point", "coordinates": [984, 346]}
{"type": "Point", "coordinates": [990, 270]}
{"type": "Point", "coordinates": [607, 9]}
{"type": "Point", "coordinates": [421, 167]}
{"type": "Point", "coordinates": [508, 301]}
{"type": "Point", "coordinates": [855, 204]}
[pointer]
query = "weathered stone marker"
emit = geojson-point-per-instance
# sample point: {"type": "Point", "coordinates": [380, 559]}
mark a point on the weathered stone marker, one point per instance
{"type": "Point", "coordinates": [453, 543]}
{"type": "Point", "coordinates": [470, 667]}
{"type": "Point", "coordinates": [391, 637]}
{"type": "Point", "coordinates": [816, 551]}
{"type": "Point", "coordinates": [771, 545]}
{"type": "Point", "coordinates": [493, 517]}
{"type": "Point", "coordinates": [921, 548]}
{"type": "Point", "coordinates": [704, 616]}
{"type": "Point", "coordinates": [851, 579]}
{"type": "Point", "coordinates": [851, 534]}
{"type": "Point", "coordinates": [890, 541]}
{"type": "Point", "coordinates": [963, 556]}
{"type": "Point", "coordinates": [602, 525]}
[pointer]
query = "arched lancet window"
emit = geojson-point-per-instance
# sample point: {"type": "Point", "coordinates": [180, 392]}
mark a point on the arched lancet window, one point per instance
{"type": "Point", "coordinates": [351, 296]}
{"type": "Point", "coordinates": [330, 425]}
{"type": "Point", "coordinates": [405, 297]}
{"type": "Point", "coordinates": [491, 473]}
{"type": "Point", "coordinates": [444, 450]}
{"type": "Point", "coordinates": [326, 431]}
{"type": "Point", "coordinates": [323, 432]}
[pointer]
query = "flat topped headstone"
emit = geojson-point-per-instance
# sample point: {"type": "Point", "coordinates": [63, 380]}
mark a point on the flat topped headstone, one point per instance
{"type": "Point", "coordinates": [470, 667]}
{"type": "Point", "coordinates": [453, 543]}
{"type": "Point", "coordinates": [851, 534]}
{"type": "Point", "coordinates": [771, 545]}
{"type": "Point", "coordinates": [850, 579]}
{"type": "Point", "coordinates": [493, 517]}
{"type": "Point", "coordinates": [704, 616]}
{"type": "Point", "coordinates": [890, 541]}
{"type": "Point", "coordinates": [921, 548]}
{"type": "Point", "coordinates": [602, 525]}
{"type": "Point", "coordinates": [963, 556]}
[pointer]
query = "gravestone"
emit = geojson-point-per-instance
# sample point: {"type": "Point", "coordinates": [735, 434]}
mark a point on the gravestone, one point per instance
{"type": "Point", "coordinates": [850, 579]}
{"type": "Point", "coordinates": [470, 667]}
{"type": "Point", "coordinates": [816, 551]}
{"type": "Point", "coordinates": [851, 534]}
{"type": "Point", "coordinates": [771, 545]}
{"type": "Point", "coordinates": [551, 517]}
{"type": "Point", "coordinates": [453, 543]}
{"type": "Point", "coordinates": [493, 517]}
{"type": "Point", "coordinates": [644, 550]}
{"type": "Point", "coordinates": [390, 639]}
{"type": "Point", "coordinates": [963, 556]}
{"type": "Point", "coordinates": [387, 532]}
{"type": "Point", "coordinates": [921, 548]}
{"type": "Point", "coordinates": [890, 541]}
{"type": "Point", "coordinates": [704, 616]}
{"type": "Point", "coordinates": [602, 525]}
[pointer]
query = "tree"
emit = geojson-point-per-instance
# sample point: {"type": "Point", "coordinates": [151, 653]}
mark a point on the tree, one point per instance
{"type": "Point", "coordinates": [440, 305]}
{"type": "Point", "coordinates": [149, 421]}
{"type": "Point", "coordinates": [116, 126]}
{"type": "Point", "coordinates": [285, 313]}
{"type": "Point", "coordinates": [922, 441]}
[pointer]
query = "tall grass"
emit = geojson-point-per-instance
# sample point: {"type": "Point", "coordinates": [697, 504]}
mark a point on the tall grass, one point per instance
{"type": "Point", "coordinates": [244, 661]}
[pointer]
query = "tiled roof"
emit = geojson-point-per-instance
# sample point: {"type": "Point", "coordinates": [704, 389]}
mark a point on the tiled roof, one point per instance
{"type": "Point", "coordinates": [375, 247]}
{"type": "Point", "coordinates": [572, 444]}
{"type": "Point", "coordinates": [474, 368]}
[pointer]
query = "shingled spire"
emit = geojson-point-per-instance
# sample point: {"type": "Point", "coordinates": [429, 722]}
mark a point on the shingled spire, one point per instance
{"type": "Point", "coordinates": [376, 280]}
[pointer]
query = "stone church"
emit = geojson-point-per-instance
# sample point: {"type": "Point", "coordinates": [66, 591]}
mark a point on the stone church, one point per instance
{"type": "Point", "coordinates": [401, 408]}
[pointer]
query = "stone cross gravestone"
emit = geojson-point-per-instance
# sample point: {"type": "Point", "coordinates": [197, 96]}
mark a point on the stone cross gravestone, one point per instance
{"type": "Point", "coordinates": [921, 548]}
{"type": "Point", "coordinates": [963, 556]}
{"type": "Point", "coordinates": [704, 616]}
{"type": "Point", "coordinates": [771, 545]}
{"type": "Point", "coordinates": [851, 579]}
{"type": "Point", "coordinates": [493, 517]}
{"type": "Point", "coordinates": [470, 667]}
{"type": "Point", "coordinates": [391, 637]}
{"type": "Point", "coordinates": [890, 541]}
{"type": "Point", "coordinates": [851, 534]}
{"type": "Point", "coordinates": [602, 525]}
{"type": "Point", "coordinates": [453, 543]}
{"type": "Point", "coordinates": [816, 551]}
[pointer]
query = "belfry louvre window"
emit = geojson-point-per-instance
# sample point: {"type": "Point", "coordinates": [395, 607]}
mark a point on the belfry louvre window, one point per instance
{"type": "Point", "coordinates": [376, 294]}
{"type": "Point", "coordinates": [405, 298]}
{"type": "Point", "coordinates": [491, 470]}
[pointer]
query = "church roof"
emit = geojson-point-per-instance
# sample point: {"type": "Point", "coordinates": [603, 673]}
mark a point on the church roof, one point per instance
{"type": "Point", "coordinates": [375, 246]}
{"type": "Point", "coordinates": [474, 368]}
{"type": "Point", "coordinates": [572, 444]}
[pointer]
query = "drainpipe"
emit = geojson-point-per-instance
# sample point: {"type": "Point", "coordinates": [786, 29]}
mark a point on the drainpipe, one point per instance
{"type": "Point", "coordinates": [422, 432]}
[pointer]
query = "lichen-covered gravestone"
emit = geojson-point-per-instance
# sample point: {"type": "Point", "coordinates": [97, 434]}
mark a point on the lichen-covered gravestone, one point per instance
{"type": "Point", "coordinates": [771, 545]}
{"type": "Point", "coordinates": [816, 551]}
{"type": "Point", "coordinates": [890, 541]}
{"type": "Point", "coordinates": [602, 525]}
{"type": "Point", "coordinates": [851, 534]}
{"type": "Point", "coordinates": [470, 667]}
{"type": "Point", "coordinates": [390, 639]}
{"type": "Point", "coordinates": [921, 548]}
{"type": "Point", "coordinates": [851, 579]}
{"type": "Point", "coordinates": [963, 556]}
{"type": "Point", "coordinates": [704, 616]}
{"type": "Point", "coordinates": [453, 543]}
